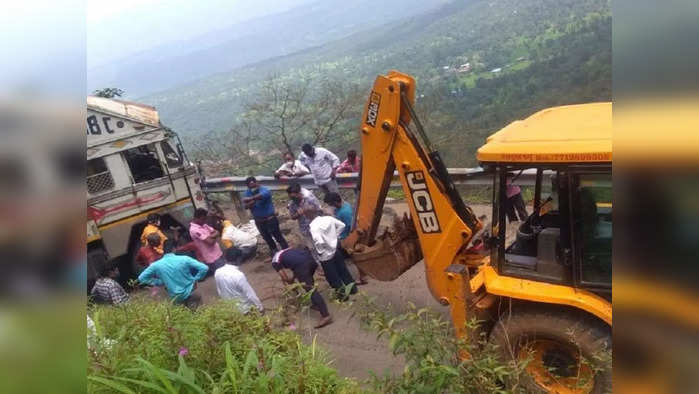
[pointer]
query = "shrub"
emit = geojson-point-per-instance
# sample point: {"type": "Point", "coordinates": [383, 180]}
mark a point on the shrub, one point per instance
{"type": "Point", "coordinates": [160, 347]}
{"type": "Point", "coordinates": [431, 351]}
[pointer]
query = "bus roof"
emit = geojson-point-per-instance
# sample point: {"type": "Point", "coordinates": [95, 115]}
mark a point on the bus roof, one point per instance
{"type": "Point", "coordinates": [128, 109]}
{"type": "Point", "coordinates": [566, 134]}
{"type": "Point", "coordinates": [116, 125]}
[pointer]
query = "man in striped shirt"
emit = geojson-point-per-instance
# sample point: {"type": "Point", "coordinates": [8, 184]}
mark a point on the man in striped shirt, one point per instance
{"type": "Point", "coordinates": [107, 290]}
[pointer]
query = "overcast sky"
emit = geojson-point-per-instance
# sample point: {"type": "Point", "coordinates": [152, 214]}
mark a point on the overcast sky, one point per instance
{"type": "Point", "coordinates": [42, 47]}
{"type": "Point", "coordinates": [116, 29]}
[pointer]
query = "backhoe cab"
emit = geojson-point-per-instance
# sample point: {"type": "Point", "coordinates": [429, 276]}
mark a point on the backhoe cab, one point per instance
{"type": "Point", "coordinates": [567, 238]}
{"type": "Point", "coordinates": [543, 288]}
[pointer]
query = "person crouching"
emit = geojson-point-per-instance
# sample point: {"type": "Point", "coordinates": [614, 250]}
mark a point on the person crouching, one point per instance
{"type": "Point", "coordinates": [303, 266]}
{"type": "Point", "coordinates": [231, 283]}
{"type": "Point", "coordinates": [178, 274]}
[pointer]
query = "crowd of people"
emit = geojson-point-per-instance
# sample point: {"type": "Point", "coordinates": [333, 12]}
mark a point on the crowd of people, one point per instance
{"type": "Point", "coordinates": [218, 247]}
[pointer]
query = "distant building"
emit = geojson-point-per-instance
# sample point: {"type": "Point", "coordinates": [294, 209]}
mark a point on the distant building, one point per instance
{"type": "Point", "coordinates": [445, 68]}
{"type": "Point", "coordinates": [464, 68]}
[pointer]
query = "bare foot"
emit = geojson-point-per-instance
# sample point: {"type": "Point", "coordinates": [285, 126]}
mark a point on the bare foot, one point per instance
{"type": "Point", "coordinates": [324, 321]}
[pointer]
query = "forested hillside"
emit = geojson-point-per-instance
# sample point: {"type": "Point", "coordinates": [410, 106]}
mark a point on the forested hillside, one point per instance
{"type": "Point", "coordinates": [308, 25]}
{"type": "Point", "coordinates": [522, 55]}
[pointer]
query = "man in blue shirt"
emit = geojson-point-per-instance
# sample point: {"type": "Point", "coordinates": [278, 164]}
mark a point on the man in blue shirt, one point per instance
{"type": "Point", "coordinates": [175, 273]}
{"type": "Point", "coordinates": [258, 200]}
{"type": "Point", "coordinates": [345, 214]}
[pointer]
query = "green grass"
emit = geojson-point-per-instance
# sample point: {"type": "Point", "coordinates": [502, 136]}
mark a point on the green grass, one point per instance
{"type": "Point", "coordinates": [149, 347]}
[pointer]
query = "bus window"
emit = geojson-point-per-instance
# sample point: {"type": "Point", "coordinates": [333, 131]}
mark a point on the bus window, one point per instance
{"type": "Point", "coordinates": [99, 179]}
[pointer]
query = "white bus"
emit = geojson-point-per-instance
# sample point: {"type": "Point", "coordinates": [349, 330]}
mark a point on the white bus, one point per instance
{"type": "Point", "coordinates": [135, 167]}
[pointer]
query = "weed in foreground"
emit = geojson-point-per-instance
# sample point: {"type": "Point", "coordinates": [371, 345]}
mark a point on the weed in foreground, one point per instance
{"type": "Point", "coordinates": [431, 352]}
{"type": "Point", "coordinates": [148, 347]}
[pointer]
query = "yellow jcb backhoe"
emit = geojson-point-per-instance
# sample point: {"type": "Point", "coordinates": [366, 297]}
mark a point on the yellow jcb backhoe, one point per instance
{"type": "Point", "coordinates": [545, 290]}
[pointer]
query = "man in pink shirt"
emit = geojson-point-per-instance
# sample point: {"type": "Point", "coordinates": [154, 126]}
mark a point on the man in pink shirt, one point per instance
{"type": "Point", "coordinates": [205, 239]}
{"type": "Point", "coordinates": [351, 164]}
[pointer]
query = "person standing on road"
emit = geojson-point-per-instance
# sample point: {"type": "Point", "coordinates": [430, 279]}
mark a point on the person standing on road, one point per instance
{"type": "Point", "coordinates": [106, 289]}
{"type": "Point", "coordinates": [303, 267]}
{"type": "Point", "coordinates": [231, 283]}
{"type": "Point", "coordinates": [258, 199]}
{"type": "Point", "coordinates": [301, 199]}
{"type": "Point", "coordinates": [351, 164]}
{"type": "Point", "coordinates": [175, 273]}
{"type": "Point", "coordinates": [345, 214]}
{"type": "Point", "coordinates": [205, 239]}
{"type": "Point", "coordinates": [291, 167]}
{"type": "Point", "coordinates": [153, 226]}
{"type": "Point", "coordinates": [323, 165]}
{"type": "Point", "coordinates": [325, 231]}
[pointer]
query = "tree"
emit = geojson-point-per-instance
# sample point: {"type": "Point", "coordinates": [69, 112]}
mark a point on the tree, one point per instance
{"type": "Point", "coordinates": [108, 92]}
{"type": "Point", "coordinates": [281, 116]}
{"type": "Point", "coordinates": [290, 113]}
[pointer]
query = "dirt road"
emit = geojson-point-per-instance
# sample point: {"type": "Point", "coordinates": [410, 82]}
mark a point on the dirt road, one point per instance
{"type": "Point", "coordinates": [355, 352]}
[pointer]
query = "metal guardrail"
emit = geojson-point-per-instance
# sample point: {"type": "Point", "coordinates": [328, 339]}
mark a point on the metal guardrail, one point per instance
{"type": "Point", "coordinates": [460, 176]}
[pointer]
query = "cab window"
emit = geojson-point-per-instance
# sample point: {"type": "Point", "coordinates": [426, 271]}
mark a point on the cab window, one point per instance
{"type": "Point", "coordinates": [173, 159]}
{"type": "Point", "coordinates": [143, 163]}
{"type": "Point", "coordinates": [99, 179]}
{"type": "Point", "coordinates": [593, 228]}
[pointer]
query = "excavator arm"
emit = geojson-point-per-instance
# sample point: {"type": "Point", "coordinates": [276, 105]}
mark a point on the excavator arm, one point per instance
{"type": "Point", "coordinates": [440, 225]}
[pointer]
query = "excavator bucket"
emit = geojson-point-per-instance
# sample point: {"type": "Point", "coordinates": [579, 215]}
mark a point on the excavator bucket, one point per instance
{"type": "Point", "coordinates": [393, 253]}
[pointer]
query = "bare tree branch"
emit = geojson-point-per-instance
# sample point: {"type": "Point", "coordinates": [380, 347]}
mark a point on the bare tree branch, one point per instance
{"type": "Point", "coordinates": [280, 117]}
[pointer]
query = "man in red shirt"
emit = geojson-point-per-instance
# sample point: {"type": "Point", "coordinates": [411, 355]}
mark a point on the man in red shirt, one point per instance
{"type": "Point", "coordinates": [149, 253]}
{"type": "Point", "coordinates": [351, 164]}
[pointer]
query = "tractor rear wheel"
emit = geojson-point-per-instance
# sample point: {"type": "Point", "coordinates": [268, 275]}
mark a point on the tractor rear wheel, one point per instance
{"type": "Point", "coordinates": [564, 351]}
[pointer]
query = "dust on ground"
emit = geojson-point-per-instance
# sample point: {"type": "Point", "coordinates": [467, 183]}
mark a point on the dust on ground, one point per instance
{"type": "Point", "coordinates": [354, 351]}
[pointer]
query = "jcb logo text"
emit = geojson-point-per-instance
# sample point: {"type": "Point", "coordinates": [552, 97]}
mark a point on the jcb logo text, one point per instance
{"type": "Point", "coordinates": [422, 202]}
{"type": "Point", "coordinates": [372, 111]}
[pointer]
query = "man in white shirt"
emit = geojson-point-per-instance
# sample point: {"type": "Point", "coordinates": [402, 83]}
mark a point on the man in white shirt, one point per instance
{"type": "Point", "coordinates": [231, 284]}
{"type": "Point", "coordinates": [234, 237]}
{"type": "Point", "coordinates": [323, 165]}
{"type": "Point", "coordinates": [291, 167]}
{"type": "Point", "coordinates": [324, 232]}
